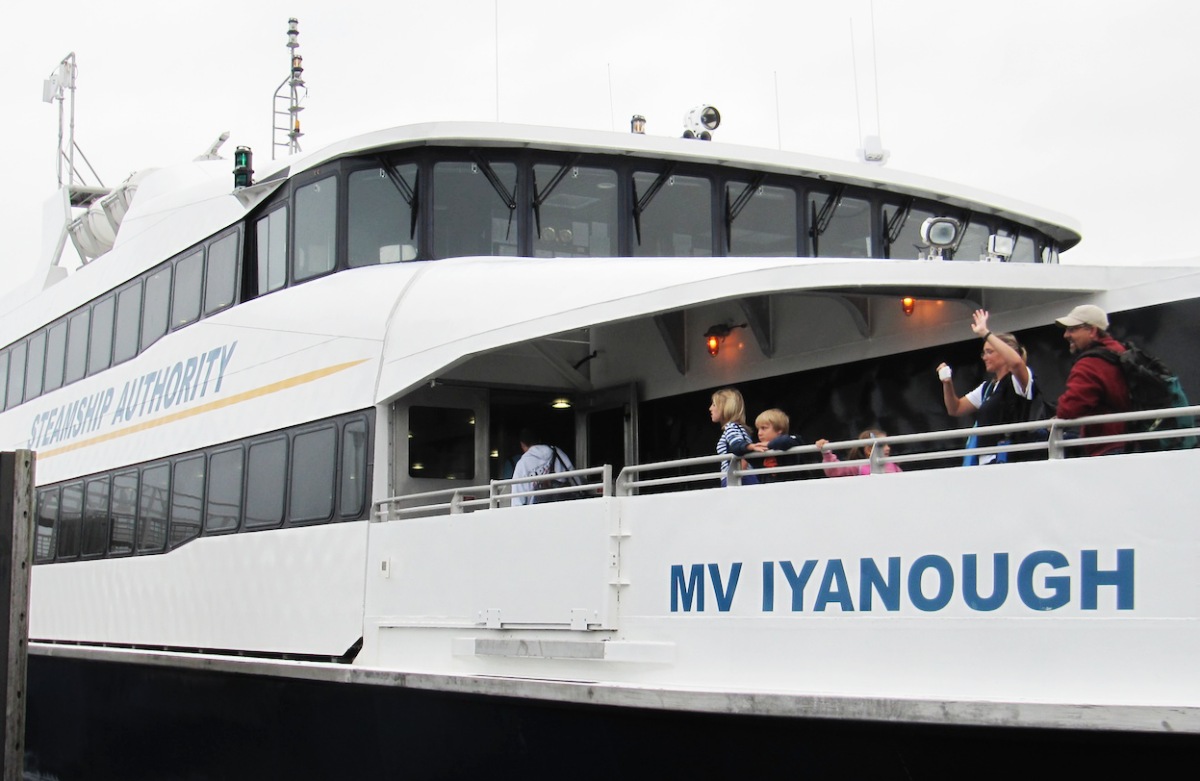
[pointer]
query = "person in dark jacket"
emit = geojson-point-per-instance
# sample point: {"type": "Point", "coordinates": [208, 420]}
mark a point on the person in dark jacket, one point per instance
{"type": "Point", "coordinates": [1094, 386]}
{"type": "Point", "coordinates": [1003, 399]}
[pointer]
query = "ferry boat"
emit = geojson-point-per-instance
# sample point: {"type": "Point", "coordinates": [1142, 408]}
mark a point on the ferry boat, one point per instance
{"type": "Point", "coordinates": [276, 535]}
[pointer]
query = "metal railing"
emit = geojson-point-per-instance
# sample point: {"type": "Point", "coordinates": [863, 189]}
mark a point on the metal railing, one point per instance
{"type": "Point", "coordinates": [1054, 437]}
{"type": "Point", "coordinates": [592, 482]}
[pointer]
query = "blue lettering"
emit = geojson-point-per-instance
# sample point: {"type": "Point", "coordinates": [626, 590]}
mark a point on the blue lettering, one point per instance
{"type": "Point", "coordinates": [971, 582]}
{"type": "Point", "coordinates": [945, 586]}
{"type": "Point", "coordinates": [724, 597]}
{"type": "Point", "coordinates": [119, 412]}
{"type": "Point", "coordinates": [797, 582]}
{"type": "Point", "coordinates": [212, 358]}
{"type": "Point", "coordinates": [1093, 577]}
{"type": "Point", "coordinates": [834, 588]}
{"type": "Point", "coordinates": [189, 373]}
{"type": "Point", "coordinates": [693, 588]}
{"type": "Point", "coordinates": [173, 385]}
{"type": "Point", "coordinates": [869, 577]}
{"type": "Point", "coordinates": [768, 587]}
{"type": "Point", "coordinates": [226, 355]}
{"type": "Point", "coordinates": [1060, 585]}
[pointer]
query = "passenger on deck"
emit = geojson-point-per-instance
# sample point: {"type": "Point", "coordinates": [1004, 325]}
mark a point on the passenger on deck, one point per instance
{"type": "Point", "coordinates": [537, 459]}
{"type": "Point", "coordinates": [729, 410]}
{"type": "Point", "coordinates": [995, 401]}
{"type": "Point", "coordinates": [773, 434]}
{"type": "Point", "coordinates": [863, 451]}
{"type": "Point", "coordinates": [1094, 386]}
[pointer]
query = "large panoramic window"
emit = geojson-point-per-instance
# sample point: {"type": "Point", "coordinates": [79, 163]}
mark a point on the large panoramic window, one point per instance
{"type": "Point", "coordinates": [56, 355]}
{"type": "Point", "coordinates": [314, 466]}
{"type": "Point", "coordinates": [353, 488]}
{"type": "Point", "coordinates": [124, 512]}
{"type": "Point", "coordinates": [157, 306]}
{"type": "Point", "coordinates": [153, 500]}
{"type": "Point", "coordinates": [672, 215]}
{"type": "Point", "coordinates": [47, 520]}
{"type": "Point", "coordinates": [902, 228]}
{"type": "Point", "coordinates": [101, 339]}
{"type": "Point", "coordinates": [382, 215]}
{"type": "Point", "coordinates": [266, 482]}
{"type": "Point", "coordinates": [70, 520]}
{"type": "Point", "coordinates": [37, 361]}
{"type": "Point", "coordinates": [95, 517]}
{"type": "Point", "coordinates": [220, 276]}
{"type": "Point", "coordinates": [270, 234]}
{"type": "Point", "coordinates": [185, 294]}
{"type": "Point", "coordinates": [16, 374]}
{"type": "Point", "coordinates": [841, 226]}
{"type": "Point", "coordinates": [187, 499]}
{"type": "Point", "coordinates": [315, 249]}
{"type": "Point", "coordinates": [224, 491]}
{"type": "Point", "coordinates": [77, 345]}
{"type": "Point", "coordinates": [574, 212]}
{"type": "Point", "coordinates": [761, 220]}
{"type": "Point", "coordinates": [474, 209]}
{"type": "Point", "coordinates": [129, 315]}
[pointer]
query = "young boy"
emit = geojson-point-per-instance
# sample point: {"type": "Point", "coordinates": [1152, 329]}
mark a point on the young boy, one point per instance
{"type": "Point", "coordinates": [773, 434]}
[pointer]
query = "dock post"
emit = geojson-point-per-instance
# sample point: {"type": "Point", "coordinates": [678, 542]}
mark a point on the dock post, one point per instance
{"type": "Point", "coordinates": [16, 558]}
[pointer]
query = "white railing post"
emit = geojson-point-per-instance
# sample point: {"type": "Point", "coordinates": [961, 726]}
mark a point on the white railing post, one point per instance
{"type": "Point", "coordinates": [1054, 448]}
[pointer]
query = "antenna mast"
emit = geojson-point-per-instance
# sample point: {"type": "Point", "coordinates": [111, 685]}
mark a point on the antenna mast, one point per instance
{"type": "Point", "coordinates": [285, 121]}
{"type": "Point", "coordinates": [55, 88]}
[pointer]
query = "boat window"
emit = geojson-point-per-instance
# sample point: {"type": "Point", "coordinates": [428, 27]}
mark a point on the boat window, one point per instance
{"type": "Point", "coordinates": [271, 250]}
{"type": "Point", "coordinates": [1024, 251]}
{"type": "Point", "coordinates": [316, 228]}
{"type": "Point", "coordinates": [95, 517]}
{"type": "Point", "coordinates": [382, 215]}
{"type": "Point", "coordinates": [129, 314]}
{"type": "Point", "coordinates": [574, 212]}
{"type": "Point", "coordinates": [157, 306]}
{"type": "Point", "coordinates": [185, 295]}
{"type": "Point", "coordinates": [56, 355]}
{"type": "Point", "coordinates": [77, 344]}
{"type": "Point", "coordinates": [760, 220]}
{"type": "Point", "coordinates": [47, 519]}
{"type": "Point", "coordinates": [3, 377]}
{"type": "Point", "coordinates": [840, 225]}
{"type": "Point", "coordinates": [16, 374]}
{"type": "Point", "coordinates": [266, 478]}
{"type": "Point", "coordinates": [153, 499]}
{"type": "Point", "coordinates": [354, 469]}
{"type": "Point", "coordinates": [224, 491]}
{"type": "Point", "coordinates": [973, 244]}
{"type": "Point", "coordinates": [33, 370]}
{"type": "Point", "coordinates": [672, 215]}
{"type": "Point", "coordinates": [69, 520]}
{"type": "Point", "coordinates": [902, 230]}
{"type": "Point", "coordinates": [187, 499]}
{"type": "Point", "coordinates": [314, 462]}
{"type": "Point", "coordinates": [100, 346]}
{"type": "Point", "coordinates": [220, 279]}
{"type": "Point", "coordinates": [441, 443]}
{"type": "Point", "coordinates": [474, 209]}
{"type": "Point", "coordinates": [124, 512]}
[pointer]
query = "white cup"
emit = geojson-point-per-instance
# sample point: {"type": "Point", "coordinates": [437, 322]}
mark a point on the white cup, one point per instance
{"type": "Point", "coordinates": [944, 373]}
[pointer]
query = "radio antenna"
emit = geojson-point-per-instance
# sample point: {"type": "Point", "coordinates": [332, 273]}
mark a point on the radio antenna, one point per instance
{"type": "Point", "coordinates": [286, 108]}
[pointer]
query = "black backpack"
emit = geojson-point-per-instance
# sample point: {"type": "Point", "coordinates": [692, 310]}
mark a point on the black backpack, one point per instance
{"type": "Point", "coordinates": [1151, 386]}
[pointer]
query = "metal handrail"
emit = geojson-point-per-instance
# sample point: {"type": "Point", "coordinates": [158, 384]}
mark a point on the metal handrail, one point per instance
{"type": "Point", "coordinates": [629, 482]}
{"type": "Point", "coordinates": [461, 499]}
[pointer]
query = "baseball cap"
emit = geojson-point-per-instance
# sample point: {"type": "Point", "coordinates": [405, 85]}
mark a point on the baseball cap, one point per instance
{"type": "Point", "coordinates": [1085, 314]}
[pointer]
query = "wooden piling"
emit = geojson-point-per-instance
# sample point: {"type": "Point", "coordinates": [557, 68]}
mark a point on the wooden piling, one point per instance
{"type": "Point", "coordinates": [16, 558]}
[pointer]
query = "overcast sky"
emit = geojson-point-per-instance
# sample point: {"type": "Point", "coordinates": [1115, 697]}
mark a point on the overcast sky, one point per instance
{"type": "Point", "coordinates": [1088, 108]}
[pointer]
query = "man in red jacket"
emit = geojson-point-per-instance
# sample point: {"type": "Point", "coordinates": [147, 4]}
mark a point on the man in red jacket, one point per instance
{"type": "Point", "coordinates": [1094, 386]}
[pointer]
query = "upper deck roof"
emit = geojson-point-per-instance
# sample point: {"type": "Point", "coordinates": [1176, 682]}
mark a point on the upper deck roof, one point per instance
{"type": "Point", "coordinates": [1061, 228]}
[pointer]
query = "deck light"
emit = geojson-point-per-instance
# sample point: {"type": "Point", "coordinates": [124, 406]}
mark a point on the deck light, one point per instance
{"type": "Point", "coordinates": [561, 403]}
{"type": "Point", "coordinates": [716, 335]}
{"type": "Point", "coordinates": [243, 167]}
{"type": "Point", "coordinates": [999, 247]}
{"type": "Point", "coordinates": [700, 122]}
{"type": "Point", "coordinates": [940, 234]}
{"type": "Point", "coordinates": [908, 304]}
